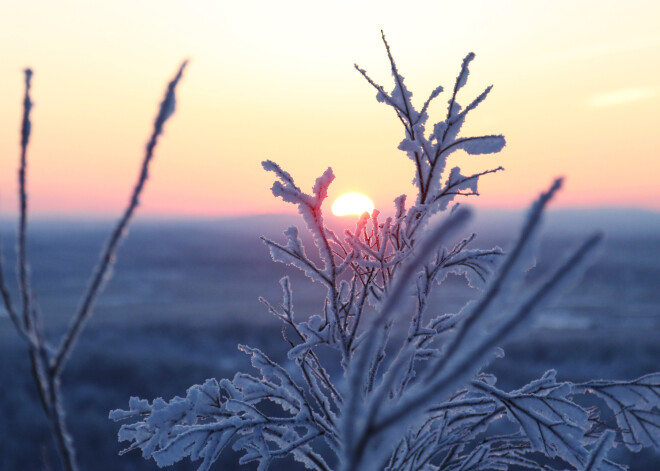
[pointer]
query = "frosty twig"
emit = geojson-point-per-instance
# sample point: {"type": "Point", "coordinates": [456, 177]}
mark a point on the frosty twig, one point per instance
{"type": "Point", "coordinates": [107, 256]}
{"type": "Point", "coordinates": [403, 388]}
{"type": "Point", "coordinates": [47, 363]}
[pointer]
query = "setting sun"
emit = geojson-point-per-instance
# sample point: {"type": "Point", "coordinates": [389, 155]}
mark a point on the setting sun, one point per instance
{"type": "Point", "coordinates": [352, 203]}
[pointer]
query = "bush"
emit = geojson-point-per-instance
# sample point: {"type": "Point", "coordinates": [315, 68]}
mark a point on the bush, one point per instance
{"type": "Point", "coordinates": [376, 382]}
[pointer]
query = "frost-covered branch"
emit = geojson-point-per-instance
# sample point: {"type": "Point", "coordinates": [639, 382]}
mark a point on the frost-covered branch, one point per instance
{"type": "Point", "coordinates": [636, 407]}
{"type": "Point", "coordinates": [46, 362]}
{"type": "Point", "coordinates": [403, 387]}
{"type": "Point", "coordinates": [107, 258]}
{"type": "Point", "coordinates": [22, 268]}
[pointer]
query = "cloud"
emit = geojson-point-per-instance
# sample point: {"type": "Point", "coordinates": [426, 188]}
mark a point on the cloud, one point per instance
{"type": "Point", "coordinates": [622, 97]}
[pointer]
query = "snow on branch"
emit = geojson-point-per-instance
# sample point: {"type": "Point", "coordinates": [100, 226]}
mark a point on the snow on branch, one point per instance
{"type": "Point", "coordinates": [636, 407]}
{"type": "Point", "coordinates": [373, 380]}
{"type": "Point", "coordinates": [47, 362]}
{"type": "Point", "coordinates": [107, 257]}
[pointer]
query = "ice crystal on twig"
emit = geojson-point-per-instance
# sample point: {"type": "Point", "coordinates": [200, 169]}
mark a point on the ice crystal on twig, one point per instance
{"type": "Point", "coordinates": [407, 390]}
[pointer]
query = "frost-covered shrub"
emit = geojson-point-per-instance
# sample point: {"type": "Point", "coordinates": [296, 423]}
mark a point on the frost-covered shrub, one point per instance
{"type": "Point", "coordinates": [407, 389]}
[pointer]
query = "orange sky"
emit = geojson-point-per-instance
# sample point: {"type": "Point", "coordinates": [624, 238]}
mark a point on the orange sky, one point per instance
{"type": "Point", "coordinates": [577, 93]}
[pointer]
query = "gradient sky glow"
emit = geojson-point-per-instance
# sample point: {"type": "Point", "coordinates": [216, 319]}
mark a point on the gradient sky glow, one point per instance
{"type": "Point", "coordinates": [577, 93]}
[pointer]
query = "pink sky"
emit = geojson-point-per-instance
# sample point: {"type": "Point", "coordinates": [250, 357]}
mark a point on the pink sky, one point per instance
{"type": "Point", "coordinates": [576, 94]}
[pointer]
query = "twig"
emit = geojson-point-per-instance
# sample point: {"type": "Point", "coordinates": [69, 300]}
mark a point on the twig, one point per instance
{"type": "Point", "coordinates": [23, 282]}
{"type": "Point", "coordinates": [46, 368]}
{"type": "Point", "coordinates": [107, 257]}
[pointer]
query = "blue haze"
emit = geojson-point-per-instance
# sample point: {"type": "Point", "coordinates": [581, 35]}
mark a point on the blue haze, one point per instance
{"type": "Point", "coordinates": [184, 294]}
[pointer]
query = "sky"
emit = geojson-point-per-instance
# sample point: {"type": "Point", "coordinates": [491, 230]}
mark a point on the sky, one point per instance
{"type": "Point", "coordinates": [576, 93]}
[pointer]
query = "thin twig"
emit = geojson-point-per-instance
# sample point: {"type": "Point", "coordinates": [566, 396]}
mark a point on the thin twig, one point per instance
{"type": "Point", "coordinates": [107, 257]}
{"type": "Point", "coordinates": [23, 282]}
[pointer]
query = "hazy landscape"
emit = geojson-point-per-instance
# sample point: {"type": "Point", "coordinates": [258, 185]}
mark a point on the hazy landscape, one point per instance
{"type": "Point", "coordinates": [184, 294]}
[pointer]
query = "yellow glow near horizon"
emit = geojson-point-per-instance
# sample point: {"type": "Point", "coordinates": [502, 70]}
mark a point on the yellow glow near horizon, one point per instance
{"type": "Point", "coordinates": [352, 204]}
{"type": "Point", "coordinates": [275, 80]}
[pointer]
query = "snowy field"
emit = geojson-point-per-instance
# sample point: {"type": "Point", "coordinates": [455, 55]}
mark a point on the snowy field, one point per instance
{"type": "Point", "coordinates": [184, 294]}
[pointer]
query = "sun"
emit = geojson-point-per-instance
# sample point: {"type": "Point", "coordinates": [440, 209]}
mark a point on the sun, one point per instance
{"type": "Point", "coordinates": [352, 203]}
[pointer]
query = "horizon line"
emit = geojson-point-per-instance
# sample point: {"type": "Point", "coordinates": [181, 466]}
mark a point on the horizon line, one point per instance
{"type": "Point", "coordinates": [83, 216]}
